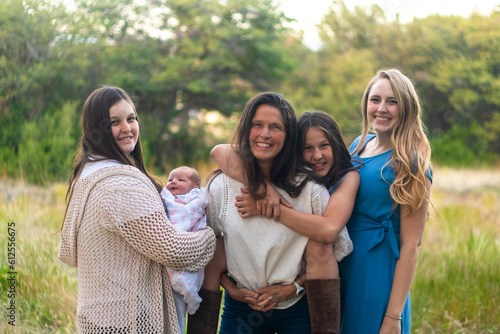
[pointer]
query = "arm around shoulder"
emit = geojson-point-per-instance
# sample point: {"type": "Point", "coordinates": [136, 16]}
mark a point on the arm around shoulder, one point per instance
{"type": "Point", "coordinates": [325, 228]}
{"type": "Point", "coordinates": [228, 161]}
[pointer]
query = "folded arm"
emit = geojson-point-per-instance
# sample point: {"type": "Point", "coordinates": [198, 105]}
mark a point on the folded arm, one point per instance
{"type": "Point", "coordinates": [136, 213]}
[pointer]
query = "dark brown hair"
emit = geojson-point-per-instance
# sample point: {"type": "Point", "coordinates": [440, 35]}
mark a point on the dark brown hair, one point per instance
{"type": "Point", "coordinates": [285, 167]}
{"type": "Point", "coordinates": [341, 158]}
{"type": "Point", "coordinates": [97, 142]}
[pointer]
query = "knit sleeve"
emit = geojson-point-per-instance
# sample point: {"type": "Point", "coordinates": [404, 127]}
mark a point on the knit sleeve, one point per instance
{"type": "Point", "coordinates": [319, 199]}
{"type": "Point", "coordinates": [217, 195]}
{"type": "Point", "coordinates": [134, 210]}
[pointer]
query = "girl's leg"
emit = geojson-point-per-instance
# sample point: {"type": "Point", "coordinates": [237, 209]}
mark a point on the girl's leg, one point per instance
{"type": "Point", "coordinates": [321, 261]}
{"type": "Point", "coordinates": [322, 288]}
{"type": "Point", "coordinates": [206, 318]}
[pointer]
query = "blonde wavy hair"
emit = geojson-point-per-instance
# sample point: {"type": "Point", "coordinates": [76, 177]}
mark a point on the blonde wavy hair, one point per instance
{"type": "Point", "coordinates": [412, 152]}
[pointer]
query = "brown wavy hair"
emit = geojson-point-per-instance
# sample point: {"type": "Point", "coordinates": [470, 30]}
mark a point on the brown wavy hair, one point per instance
{"type": "Point", "coordinates": [412, 153]}
{"type": "Point", "coordinates": [286, 172]}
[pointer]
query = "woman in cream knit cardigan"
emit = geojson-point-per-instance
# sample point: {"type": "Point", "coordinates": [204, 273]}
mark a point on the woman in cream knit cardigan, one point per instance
{"type": "Point", "coordinates": [116, 230]}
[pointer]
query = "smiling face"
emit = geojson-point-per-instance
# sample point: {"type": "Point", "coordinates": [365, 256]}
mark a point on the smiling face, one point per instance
{"type": "Point", "coordinates": [124, 126]}
{"type": "Point", "coordinates": [382, 107]}
{"type": "Point", "coordinates": [180, 181]}
{"type": "Point", "coordinates": [317, 151]}
{"type": "Point", "coordinates": [267, 135]}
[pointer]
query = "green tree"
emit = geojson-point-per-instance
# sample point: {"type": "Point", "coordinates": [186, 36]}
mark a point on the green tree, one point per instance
{"type": "Point", "coordinates": [181, 57]}
{"type": "Point", "coordinates": [334, 78]}
{"type": "Point", "coordinates": [176, 58]}
{"type": "Point", "coordinates": [222, 53]}
{"type": "Point", "coordinates": [452, 61]}
{"type": "Point", "coordinates": [30, 90]}
{"type": "Point", "coordinates": [45, 144]}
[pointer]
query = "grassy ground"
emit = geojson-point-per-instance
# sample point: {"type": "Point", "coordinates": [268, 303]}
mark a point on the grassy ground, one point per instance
{"type": "Point", "coordinates": [457, 286]}
{"type": "Point", "coordinates": [46, 289]}
{"type": "Point", "coordinates": [456, 289]}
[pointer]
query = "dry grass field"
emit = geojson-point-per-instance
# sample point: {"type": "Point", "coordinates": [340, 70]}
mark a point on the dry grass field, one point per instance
{"type": "Point", "coordinates": [456, 289]}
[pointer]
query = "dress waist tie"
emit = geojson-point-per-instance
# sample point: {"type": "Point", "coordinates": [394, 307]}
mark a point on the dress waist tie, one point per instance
{"type": "Point", "coordinates": [386, 229]}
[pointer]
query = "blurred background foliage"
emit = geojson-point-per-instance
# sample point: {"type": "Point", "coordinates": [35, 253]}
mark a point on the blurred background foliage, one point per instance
{"type": "Point", "coordinates": [190, 66]}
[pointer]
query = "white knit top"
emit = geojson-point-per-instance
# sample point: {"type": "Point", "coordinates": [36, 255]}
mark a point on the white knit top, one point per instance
{"type": "Point", "coordinates": [259, 251]}
{"type": "Point", "coordinates": [118, 235]}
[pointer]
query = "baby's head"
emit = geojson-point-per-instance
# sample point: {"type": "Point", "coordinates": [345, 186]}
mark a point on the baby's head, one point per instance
{"type": "Point", "coordinates": [182, 179]}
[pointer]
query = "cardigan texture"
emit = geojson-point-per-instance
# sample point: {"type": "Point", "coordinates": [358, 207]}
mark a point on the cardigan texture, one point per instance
{"type": "Point", "coordinates": [117, 233]}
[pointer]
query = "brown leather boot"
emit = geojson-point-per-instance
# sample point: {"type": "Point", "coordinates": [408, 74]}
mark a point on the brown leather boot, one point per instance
{"type": "Point", "coordinates": [323, 297]}
{"type": "Point", "coordinates": [206, 318]}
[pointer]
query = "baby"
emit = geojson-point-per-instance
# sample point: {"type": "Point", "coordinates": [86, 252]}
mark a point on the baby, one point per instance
{"type": "Point", "coordinates": [185, 203]}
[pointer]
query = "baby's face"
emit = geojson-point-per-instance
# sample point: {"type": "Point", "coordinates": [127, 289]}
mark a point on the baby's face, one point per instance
{"type": "Point", "coordinates": [179, 182]}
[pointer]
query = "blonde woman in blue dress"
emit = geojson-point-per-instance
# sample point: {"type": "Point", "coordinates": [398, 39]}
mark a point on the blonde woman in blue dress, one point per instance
{"type": "Point", "coordinates": [390, 211]}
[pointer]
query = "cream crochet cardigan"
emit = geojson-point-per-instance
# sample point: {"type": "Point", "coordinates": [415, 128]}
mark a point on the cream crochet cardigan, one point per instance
{"type": "Point", "coordinates": [117, 233]}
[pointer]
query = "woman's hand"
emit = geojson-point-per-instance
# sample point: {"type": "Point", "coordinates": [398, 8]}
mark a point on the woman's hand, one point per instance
{"type": "Point", "coordinates": [246, 296]}
{"type": "Point", "coordinates": [240, 295]}
{"type": "Point", "coordinates": [274, 294]}
{"type": "Point", "coordinates": [390, 326]}
{"type": "Point", "coordinates": [262, 299]}
{"type": "Point", "coordinates": [269, 296]}
{"type": "Point", "coordinates": [268, 207]}
{"type": "Point", "coordinates": [246, 204]}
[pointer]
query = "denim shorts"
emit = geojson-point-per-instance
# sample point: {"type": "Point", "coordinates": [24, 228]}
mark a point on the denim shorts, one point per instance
{"type": "Point", "coordinates": [239, 318]}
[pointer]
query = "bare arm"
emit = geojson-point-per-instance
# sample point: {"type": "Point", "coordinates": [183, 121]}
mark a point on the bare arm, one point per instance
{"type": "Point", "coordinates": [412, 230]}
{"type": "Point", "coordinates": [320, 228]}
{"type": "Point", "coordinates": [326, 228]}
{"type": "Point", "coordinates": [229, 161]}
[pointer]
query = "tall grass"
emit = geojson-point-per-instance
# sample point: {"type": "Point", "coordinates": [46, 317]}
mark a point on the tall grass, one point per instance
{"type": "Point", "coordinates": [457, 284]}
{"type": "Point", "coordinates": [456, 288]}
{"type": "Point", "coordinates": [46, 291]}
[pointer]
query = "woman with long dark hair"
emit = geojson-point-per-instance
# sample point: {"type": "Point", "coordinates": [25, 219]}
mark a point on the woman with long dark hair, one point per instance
{"type": "Point", "coordinates": [116, 230]}
{"type": "Point", "coordinates": [323, 151]}
{"type": "Point", "coordinates": [264, 256]}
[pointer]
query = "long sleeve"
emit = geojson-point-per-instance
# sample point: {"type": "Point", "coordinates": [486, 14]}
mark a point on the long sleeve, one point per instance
{"type": "Point", "coordinates": [217, 194]}
{"type": "Point", "coordinates": [117, 233]}
{"type": "Point", "coordinates": [133, 210]}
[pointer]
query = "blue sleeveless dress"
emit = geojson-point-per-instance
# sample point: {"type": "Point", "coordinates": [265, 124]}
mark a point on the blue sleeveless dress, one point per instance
{"type": "Point", "coordinates": [367, 273]}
